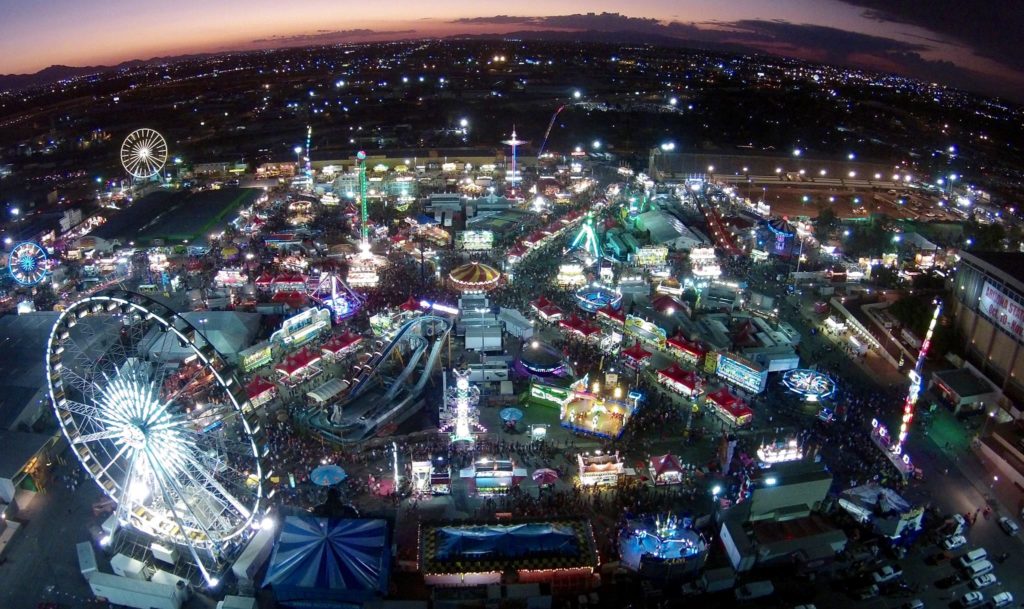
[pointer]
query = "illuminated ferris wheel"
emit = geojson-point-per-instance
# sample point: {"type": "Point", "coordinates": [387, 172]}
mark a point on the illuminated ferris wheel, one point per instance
{"type": "Point", "coordinates": [144, 153]}
{"type": "Point", "coordinates": [153, 416]}
{"type": "Point", "coordinates": [28, 263]}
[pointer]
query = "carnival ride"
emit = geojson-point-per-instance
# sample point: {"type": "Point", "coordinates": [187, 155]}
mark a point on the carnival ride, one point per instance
{"type": "Point", "coordinates": [28, 263]}
{"type": "Point", "coordinates": [154, 417]}
{"type": "Point", "coordinates": [514, 142]}
{"type": "Point", "coordinates": [811, 385]}
{"type": "Point", "coordinates": [143, 153]}
{"type": "Point", "coordinates": [379, 394]}
{"type": "Point", "coordinates": [331, 292]}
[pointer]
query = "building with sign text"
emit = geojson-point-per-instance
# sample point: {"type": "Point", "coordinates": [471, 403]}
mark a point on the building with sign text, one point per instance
{"type": "Point", "coordinates": [989, 311]}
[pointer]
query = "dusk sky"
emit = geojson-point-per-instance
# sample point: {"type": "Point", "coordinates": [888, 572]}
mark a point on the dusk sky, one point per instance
{"type": "Point", "coordinates": [949, 41]}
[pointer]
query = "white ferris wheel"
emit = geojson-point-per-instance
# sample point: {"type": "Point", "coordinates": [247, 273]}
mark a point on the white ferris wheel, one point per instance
{"type": "Point", "coordinates": [144, 153]}
{"type": "Point", "coordinates": [152, 414]}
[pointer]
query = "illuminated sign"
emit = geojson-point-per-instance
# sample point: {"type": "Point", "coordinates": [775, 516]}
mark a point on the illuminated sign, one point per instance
{"type": "Point", "coordinates": [1007, 314]}
{"type": "Point", "coordinates": [651, 255]}
{"type": "Point", "coordinates": [741, 372]}
{"type": "Point", "coordinates": [474, 240]}
{"type": "Point", "coordinates": [255, 357]}
{"type": "Point", "coordinates": [301, 328]}
{"type": "Point", "coordinates": [645, 331]}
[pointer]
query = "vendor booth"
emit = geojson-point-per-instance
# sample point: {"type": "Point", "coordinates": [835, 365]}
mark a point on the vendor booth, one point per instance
{"type": "Point", "coordinates": [730, 408]}
{"type": "Point", "coordinates": [600, 469]}
{"type": "Point", "coordinates": [666, 470]}
{"type": "Point", "coordinates": [260, 391]}
{"type": "Point", "coordinates": [684, 382]}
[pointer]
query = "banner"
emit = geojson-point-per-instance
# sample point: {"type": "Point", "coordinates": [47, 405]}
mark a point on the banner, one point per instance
{"type": "Point", "coordinates": [1007, 314]}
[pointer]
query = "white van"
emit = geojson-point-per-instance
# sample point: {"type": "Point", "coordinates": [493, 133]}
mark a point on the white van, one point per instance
{"type": "Point", "coordinates": [973, 556]}
{"type": "Point", "coordinates": [977, 568]}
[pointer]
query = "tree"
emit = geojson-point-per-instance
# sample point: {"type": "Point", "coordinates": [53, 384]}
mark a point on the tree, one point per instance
{"type": "Point", "coordinates": [826, 222]}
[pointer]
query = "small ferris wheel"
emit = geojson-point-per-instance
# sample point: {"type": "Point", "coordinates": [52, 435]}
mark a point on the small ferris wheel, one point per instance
{"type": "Point", "coordinates": [144, 153]}
{"type": "Point", "coordinates": [28, 263]}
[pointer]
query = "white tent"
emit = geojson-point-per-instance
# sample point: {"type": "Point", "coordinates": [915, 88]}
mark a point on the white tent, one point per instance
{"type": "Point", "coordinates": [228, 331]}
{"type": "Point", "coordinates": [328, 390]}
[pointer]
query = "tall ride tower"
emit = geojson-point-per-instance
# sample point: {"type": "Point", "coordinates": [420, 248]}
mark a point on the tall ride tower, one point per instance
{"type": "Point", "coordinates": [514, 143]}
{"type": "Point", "coordinates": [364, 229]}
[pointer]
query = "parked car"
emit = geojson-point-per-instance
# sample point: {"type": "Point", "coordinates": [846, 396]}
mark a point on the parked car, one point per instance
{"type": "Point", "coordinates": [1009, 526]}
{"type": "Point", "coordinates": [953, 542]}
{"type": "Point", "coordinates": [886, 573]}
{"type": "Point", "coordinates": [983, 581]}
{"type": "Point", "coordinates": [869, 592]}
{"type": "Point", "coordinates": [914, 604]}
{"type": "Point", "coordinates": [1002, 599]}
{"type": "Point", "coordinates": [972, 599]}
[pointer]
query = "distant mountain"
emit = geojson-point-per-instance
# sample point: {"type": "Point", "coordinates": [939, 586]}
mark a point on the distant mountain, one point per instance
{"type": "Point", "coordinates": [52, 74]}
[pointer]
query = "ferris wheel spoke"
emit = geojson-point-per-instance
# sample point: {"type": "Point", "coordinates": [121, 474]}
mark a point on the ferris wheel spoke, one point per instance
{"type": "Point", "coordinates": [85, 410]}
{"type": "Point", "coordinates": [169, 502]}
{"type": "Point", "coordinates": [164, 479]}
{"type": "Point", "coordinates": [211, 479]}
{"type": "Point", "coordinates": [107, 434]}
{"type": "Point", "coordinates": [124, 448]}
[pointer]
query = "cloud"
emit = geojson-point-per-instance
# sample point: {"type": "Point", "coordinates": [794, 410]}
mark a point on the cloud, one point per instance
{"type": "Point", "coordinates": [907, 56]}
{"type": "Point", "coordinates": [992, 28]}
{"type": "Point", "coordinates": [331, 36]}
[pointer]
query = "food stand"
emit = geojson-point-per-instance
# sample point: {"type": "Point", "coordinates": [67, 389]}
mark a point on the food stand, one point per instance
{"type": "Point", "coordinates": [600, 469]}
{"type": "Point", "coordinates": [636, 356]}
{"type": "Point", "coordinates": [260, 391]}
{"type": "Point", "coordinates": [684, 382]}
{"type": "Point", "coordinates": [730, 408]}
{"type": "Point", "coordinates": [666, 470]}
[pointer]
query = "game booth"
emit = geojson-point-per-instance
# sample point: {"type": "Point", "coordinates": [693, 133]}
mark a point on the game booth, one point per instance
{"type": "Point", "coordinates": [730, 408]}
{"type": "Point", "coordinates": [600, 469]}
{"type": "Point", "coordinates": [635, 357]}
{"type": "Point", "coordinates": [686, 351]}
{"type": "Point", "coordinates": [493, 476]}
{"type": "Point", "coordinates": [662, 546]}
{"type": "Point", "coordinates": [298, 367]}
{"type": "Point", "coordinates": [580, 328]}
{"type": "Point", "coordinates": [429, 478]}
{"type": "Point", "coordinates": [683, 382]}
{"type": "Point", "coordinates": [666, 469]}
{"type": "Point", "coordinates": [779, 451]}
{"type": "Point", "coordinates": [611, 316]}
{"type": "Point", "coordinates": [337, 347]}
{"type": "Point", "coordinates": [260, 391]}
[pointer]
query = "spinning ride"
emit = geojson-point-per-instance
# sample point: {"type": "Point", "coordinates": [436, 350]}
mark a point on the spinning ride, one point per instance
{"type": "Point", "coordinates": [151, 413]}
{"type": "Point", "coordinates": [812, 385]}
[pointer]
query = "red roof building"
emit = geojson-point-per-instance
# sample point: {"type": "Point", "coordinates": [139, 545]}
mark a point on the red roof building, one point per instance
{"type": "Point", "coordinates": [611, 315]}
{"type": "Point", "coordinates": [258, 386]}
{"type": "Point", "coordinates": [339, 345]}
{"type": "Point", "coordinates": [689, 351]}
{"type": "Point", "coordinates": [297, 363]}
{"type": "Point", "coordinates": [666, 470]}
{"type": "Point", "coordinates": [730, 407]}
{"type": "Point", "coordinates": [576, 325]}
{"type": "Point", "coordinates": [683, 381]}
{"type": "Point", "coordinates": [636, 355]}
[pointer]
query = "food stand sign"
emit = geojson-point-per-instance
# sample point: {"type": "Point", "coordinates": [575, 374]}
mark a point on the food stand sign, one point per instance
{"type": "Point", "coordinates": [742, 373]}
{"type": "Point", "coordinates": [645, 331]}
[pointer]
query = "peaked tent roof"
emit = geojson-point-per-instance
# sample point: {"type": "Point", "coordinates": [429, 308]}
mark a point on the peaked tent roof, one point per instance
{"type": "Point", "coordinates": [330, 558]}
{"type": "Point", "coordinates": [665, 463]}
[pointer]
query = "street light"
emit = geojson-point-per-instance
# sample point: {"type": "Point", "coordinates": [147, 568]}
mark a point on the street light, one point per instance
{"type": "Point", "coordinates": [298, 153]}
{"type": "Point", "coordinates": [797, 152]}
{"type": "Point", "coordinates": [576, 94]}
{"type": "Point", "coordinates": [596, 144]}
{"type": "Point", "coordinates": [673, 101]}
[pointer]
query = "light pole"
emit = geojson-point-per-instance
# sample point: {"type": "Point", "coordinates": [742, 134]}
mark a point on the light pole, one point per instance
{"type": "Point", "coordinates": [298, 158]}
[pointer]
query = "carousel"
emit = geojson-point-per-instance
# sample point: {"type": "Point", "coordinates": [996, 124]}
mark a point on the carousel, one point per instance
{"type": "Point", "coordinates": [474, 277]}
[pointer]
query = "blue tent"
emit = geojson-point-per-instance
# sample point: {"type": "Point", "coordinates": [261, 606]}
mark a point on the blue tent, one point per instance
{"type": "Point", "coordinates": [329, 559]}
